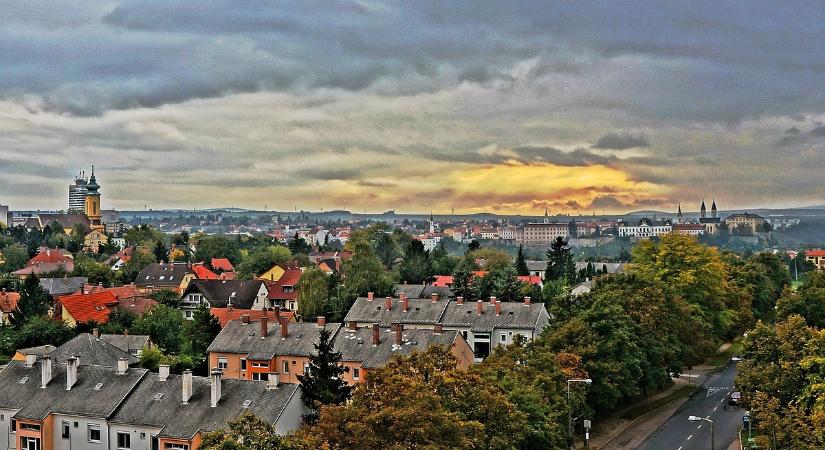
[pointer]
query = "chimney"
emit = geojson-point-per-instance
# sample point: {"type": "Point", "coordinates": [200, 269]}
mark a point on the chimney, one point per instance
{"type": "Point", "coordinates": [122, 366]}
{"type": "Point", "coordinates": [45, 371]}
{"type": "Point", "coordinates": [434, 296]}
{"type": "Point", "coordinates": [264, 326]}
{"type": "Point", "coordinates": [405, 302]}
{"type": "Point", "coordinates": [163, 372]}
{"type": "Point", "coordinates": [498, 307]}
{"type": "Point", "coordinates": [245, 318]}
{"type": "Point", "coordinates": [353, 325]}
{"type": "Point", "coordinates": [229, 308]}
{"type": "Point", "coordinates": [71, 372]}
{"type": "Point", "coordinates": [277, 312]}
{"type": "Point", "coordinates": [96, 332]}
{"type": "Point", "coordinates": [438, 328]}
{"type": "Point", "coordinates": [322, 321]}
{"type": "Point", "coordinates": [459, 300]}
{"type": "Point", "coordinates": [30, 360]}
{"type": "Point", "coordinates": [284, 328]}
{"type": "Point", "coordinates": [376, 334]}
{"type": "Point", "coordinates": [186, 384]}
{"type": "Point", "coordinates": [527, 300]}
{"type": "Point", "coordinates": [480, 307]}
{"type": "Point", "coordinates": [399, 334]}
{"type": "Point", "coordinates": [272, 381]}
{"type": "Point", "coordinates": [492, 300]}
{"type": "Point", "coordinates": [370, 296]}
{"type": "Point", "coordinates": [216, 387]}
{"type": "Point", "coordinates": [388, 304]}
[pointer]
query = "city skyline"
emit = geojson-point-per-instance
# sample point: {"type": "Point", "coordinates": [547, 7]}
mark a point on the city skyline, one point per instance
{"type": "Point", "coordinates": [380, 106]}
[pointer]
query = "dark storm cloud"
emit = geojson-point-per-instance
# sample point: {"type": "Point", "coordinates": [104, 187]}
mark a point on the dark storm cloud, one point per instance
{"type": "Point", "coordinates": [614, 141]}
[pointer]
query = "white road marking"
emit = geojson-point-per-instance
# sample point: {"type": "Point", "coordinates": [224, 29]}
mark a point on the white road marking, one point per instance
{"type": "Point", "coordinates": [699, 427]}
{"type": "Point", "coordinates": [680, 448]}
{"type": "Point", "coordinates": [716, 408]}
{"type": "Point", "coordinates": [690, 437]}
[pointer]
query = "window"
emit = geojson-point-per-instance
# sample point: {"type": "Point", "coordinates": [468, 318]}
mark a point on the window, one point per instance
{"type": "Point", "coordinates": [124, 441]}
{"type": "Point", "coordinates": [155, 443]}
{"type": "Point", "coordinates": [175, 446]}
{"type": "Point", "coordinates": [65, 430]}
{"type": "Point", "coordinates": [260, 376]}
{"type": "Point", "coordinates": [13, 425]}
{"type": "Point", "coordinates": [260, 364]}
{"type": "Point", "coordinates": [93, 433]}
{"type": "Point", "coordinates": [29, 443]}
{"type": "Point", "coordinates": [188, 314]}
{"type": "Point", "coordinates": [503, 337]}
{"type": "Point", "coordinates": [243, 363]}
{"type": "Point", "coordinates": [356, 373]}
{"type": "Point", "coordinates": [285, 367]}
{"type": "Point", "coordinates": [222, 363]}
{"type": "Point", "coordinates": [142, 436]}
{"type": "Point", "coordinates": [30, 427]}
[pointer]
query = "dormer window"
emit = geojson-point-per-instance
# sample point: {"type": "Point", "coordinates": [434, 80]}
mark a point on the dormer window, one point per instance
{"type": "Point", "coordinates": [98, 386]}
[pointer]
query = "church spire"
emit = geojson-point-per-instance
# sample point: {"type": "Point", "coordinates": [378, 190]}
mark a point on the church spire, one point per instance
{"type": "Point", "coordinates": [679, 214]}
{"type": "Point", "coordinates": [703, 211]}
{"type": "Point", "coordinates": [713, 208]}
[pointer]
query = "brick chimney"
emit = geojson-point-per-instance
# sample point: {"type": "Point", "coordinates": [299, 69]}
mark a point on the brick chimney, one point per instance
{"type": "Point", "coordinates": [492, 300]}
{"type": "Point", "coordinates": [434, 297]}
{"type": "Point", "coordinates": [96, 332]}
{"type": "Point", "coordinates": [459, 300]}
{"type": "Point", "coordinates": [163, 372]}
{"type": "Point", "coordinates": [216, 387]}
{"type": "Point", "coordinates": [71, 372]}
{"type": "Point", "coordinates": [229, 307]}
{"type": "Point", "coordinates": [399, 334]}
{"type": "Point", "coordinates": [527, 300]}
{"type": "Point", "coordinates": [480, 307]}
{"type": "Point", "coordinates": [273, 381]}
{"type": "Point", "coordinates": [264, 326]}
{"type": "Point", "coordinates": [122, 366]}
{"type": "Point", "coordinates": [405, 302]}
{"type": "Point", "coordinates": [186, 385]}
{"type": "Point", "coordinates": [498, 307]}
{"type": "Point", "coordinates": [370, 296]}
{"type": "Point", "coordinates": [388, 304]}
{"type": "Point", "coordinates": [376, 334]}
{"type": "Point", "coordinates": [438, 328]}
{"type": "Point", "coordinates": [245, 318]}
{"type": "Point", "coordinates": [321, 321]}
{"type": "Point", "coordinates": [284, 328]}
{"type": "Point", "coordinates": [45, 371]}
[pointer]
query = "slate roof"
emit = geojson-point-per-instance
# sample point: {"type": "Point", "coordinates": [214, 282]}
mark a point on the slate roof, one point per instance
{"type": "Point", "coordinates": [62, 286]}
{"type": "Point", "coordinates": [226, 315]}
{"type": "Point", "coordinates": [218, 292]}
{"type": "Point", "coordinates": [162, 275]}
{"type": "Point", "coordinates": [513, 315]}
{"type": "Point", "coordinates": [420, 311]}
{"type": "Point", "coordinates": [241, 338]}
{"type": "Point", "coordinates": [356, 345]}
{"type": "Point", "coordinates": [443, 292]}
{"type": "Point", "coordinates": [177, 420]}
{"type": "Point", "coordinates": [89, 307]}
{"type": "Point", "coordinates": [39, 351]}
{"type": "Point", "coordinates": [91, 351]}
{"type": "Point", "coordinates": [126, 342]}
{"type": "Point", "coordinates": [83, 399]}
{"type": "Point", "coordinates": [411, 290]}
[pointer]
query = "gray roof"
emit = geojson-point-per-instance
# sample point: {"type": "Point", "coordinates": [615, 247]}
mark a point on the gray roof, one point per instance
{"type": "Point", "coordinates": [83, 399]}
{"type": "Point", "coordinates": [126, 342]}
{"type": "Point", "coordinates": [612, 267]}
{"type": "Point", "coordinates": [356, 345]}
{"type": "Point", "coordinates": [411, 290]}
{"type": "Point", "coordinates": [245, 338]}
{"type": "Point", "coordinates": [62, 286]}
{"type": "Point", "coordinates": [162, 275]}
{"type": "Point", "coordinates": [91, 351]}
{"type": "Point", "coordinates": [218, 292]}
{"type": "Point", "coordinates": [420, 311]}
{"type": "Point", "coordinates": [536, 265]}
{"type": "Point", "coordinates": [177, 420]}
{"type": "Point", "coordinates": [443, 292]}
{"type": "Point", "coordinates": [40, 351]}
{"type": "Point", "coordinates": [513, 315]}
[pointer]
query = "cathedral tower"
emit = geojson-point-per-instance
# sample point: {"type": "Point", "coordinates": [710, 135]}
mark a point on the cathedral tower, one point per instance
{"type": "Point", "coordinates": [93, 203]}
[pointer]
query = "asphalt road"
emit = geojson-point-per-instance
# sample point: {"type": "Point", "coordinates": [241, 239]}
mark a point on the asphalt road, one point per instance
{"type": "Point", "coordinates": [680, 434]}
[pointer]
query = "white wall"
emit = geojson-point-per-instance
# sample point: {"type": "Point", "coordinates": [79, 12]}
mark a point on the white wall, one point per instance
{"type": "Point", "coordinates": [7, 439]}
{"type": "Point", "coordinates": [135, 431]}
{"type": "Point", "coordinates": [78, 437]}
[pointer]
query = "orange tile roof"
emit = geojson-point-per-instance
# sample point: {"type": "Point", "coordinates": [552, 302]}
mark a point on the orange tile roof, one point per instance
{"type": "Point", "coordinates": [8, 301]}
{"type": "Point", "coordinates": [226, 315]}
{"type": "Point", "coordinates": [136, 305]}
{"type": "Point", "coordinates": [222, 264]}
{"type": "Point", "coordinates": [89, 307]}
{"type": "Point", "coordinates": [531, 279]}
{"type": "Point", "coordinates": [815, 253]}
{"type": "Point", "coordinates": [120, 292]}
{"type": "Point", "coordinates": [203, 273]}
{"type": "Point", "coordinates": [443, 281]}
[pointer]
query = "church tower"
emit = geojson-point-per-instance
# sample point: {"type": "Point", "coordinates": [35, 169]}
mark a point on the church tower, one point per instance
{"type": "Point", "coordinates": [93, 203]}
{"type": "Point", "coordinates": [713, 208]}
{"type": "Point", "coordinates": [679, 218]}
{"type": "Point", "coordinates": [546, 217]}
{"type": "Point", "coordinates": [432, 223]}
{"type": "Point", "coordinates": [703, 211]}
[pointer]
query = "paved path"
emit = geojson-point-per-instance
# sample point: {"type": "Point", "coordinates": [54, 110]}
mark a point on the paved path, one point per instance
{"type": "Point", "coordinates": [680, 434]}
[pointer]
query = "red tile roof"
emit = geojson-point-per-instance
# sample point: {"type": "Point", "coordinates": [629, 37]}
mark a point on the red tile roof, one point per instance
{"type": "Point", "coordinates": [203, 273]}
{"type": "Point", "coordinates": [136, 305]}
{"type": "Point", "coordinates": [89, 307]}
{"type": "Point", "coordinates": [226, 315]}
{"type": "Point", "coordinates": [443, 281]}
{"type": "Point", "coordinates": [8, 301]}
{"type": "Point", "coordinates": [50, 255]}
{"type": "Point", "coordinates": [120, 292]}
{"type": "Point", "coordinates": [290, 277]}
{"type": "Point", "coordinates": [531, 279]}
{"type": "Point", "coordinates": [814, 253]}
{"type": "Point", "coordinates": [222, 264]}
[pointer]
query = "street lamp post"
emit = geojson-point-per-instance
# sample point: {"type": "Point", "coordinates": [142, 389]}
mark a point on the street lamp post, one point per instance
{"type": "Point", "coordinates": [569, 415]}
{"type": "Point", "coordinates": [712, 432]}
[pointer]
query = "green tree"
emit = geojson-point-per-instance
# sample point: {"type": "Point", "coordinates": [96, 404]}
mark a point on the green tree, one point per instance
{"type": "Point", "coordinates": [163, 324]}
{"type": "Point", "coordinates": [217, 247]}
{"type": "Point", "coordinates": [16, 258]}
{"type": "Point", "coordinates": [198, 333]}
{"type": "Point", "coordinates": [323, 383]}
{"type": "Point", "coordinates": [299, 246]}
{"type": "Point", "coordinates": [249, 432]}
{"type": "Point", "coordinates": [415, 268]}
{"type": "Point", "coordinates": [560, 262]}
{"type": "Point", "coordinates": [463, 277]}
{"type": "Point", "coordinates": [261, 259]}
{"type": "Point", "coordinates": [364, 273]}
{"type": "Point", "coordinates": [808, 301]}
{"type": "Point", "coordinates": [40, 330]}
{"type": "Point", "coordinates": [313, 294]}
{"type": "Point", "coordinates": [34, 301]}
{"type": "Point", "coordinates": [120, 322]}
{"type": "Point", "coordinates": [521, 263]}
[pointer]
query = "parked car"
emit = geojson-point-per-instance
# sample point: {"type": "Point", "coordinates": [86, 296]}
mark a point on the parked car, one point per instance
{"type": "Point", "coordinates": [735, 398]}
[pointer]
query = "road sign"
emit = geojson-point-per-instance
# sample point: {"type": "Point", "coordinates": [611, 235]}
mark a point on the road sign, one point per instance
{"type": "Point", "coordinates": [746, 418]}
{"type": "Point", "coordinates": [587, 424]}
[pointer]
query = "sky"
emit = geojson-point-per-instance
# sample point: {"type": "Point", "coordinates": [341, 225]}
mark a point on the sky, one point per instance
{"type": "Point", "coordinates": [414, 106]}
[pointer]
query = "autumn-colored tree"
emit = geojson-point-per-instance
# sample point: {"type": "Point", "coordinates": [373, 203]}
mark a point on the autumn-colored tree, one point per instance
{"type": "Point", "coordinates": [249, 432]}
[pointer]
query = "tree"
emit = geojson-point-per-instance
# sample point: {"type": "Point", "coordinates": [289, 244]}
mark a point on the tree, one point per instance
{"type": "Point", "coordinates": [210, 247]}
{"type": "Point", "coordinates": [161, 252]}
{"type": "Point", "coordinates": [323, 383]}
{"type": "Point", "coordinates": [120, 321]}
{"type": "Point", "coordinates": [521, 264]}
{"type": "Point", "coordinates": [415, 268]}
{"type": "Point", "coordinates": [200, 331]}
{"type": "Point", "coordinates": [463, 277]}
{"type": "Point", "coordinates": [249, 432]}
{"type": "Point", "coordinates": [163, 324]}
{"type": "Point", "coordinates": [33, 302]}
{"type": "Point", "coordinates": [808, 301]}
{"type": "Point", "coordinates": [137, 262]}
{"type": "Point", "coordinates": [16, 258]}
{"type": "Point", "coordinates": [560, 262]}
{"type": "Point", "coordinates": [473, 246]}
{"type": "Point", "coordinates": [364, 273]}
{"type": "Point", "coordinates": [313, 293]}
{"type": "Point", "coordinates": [143, 235]}
{"type": "Point", "coordinates": [40, 330]}
{"type": "Point", "coordinates": [261, 259]}
{"type": "Point", "coordinates": [493, 259]}
{"type": "Point", "coordinates": [299, 246]}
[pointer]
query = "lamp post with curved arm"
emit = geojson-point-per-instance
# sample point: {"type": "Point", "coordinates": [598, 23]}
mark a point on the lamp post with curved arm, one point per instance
{"type": "Point", "coordinates": [569, 414]}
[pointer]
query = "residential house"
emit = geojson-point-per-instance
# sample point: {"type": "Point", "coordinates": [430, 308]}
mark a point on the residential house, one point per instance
{"type": "Point", "coordinates": [284, 291]}
{"type": "Point", "coordinates": [91, 350]}
{"type": "Point", "coordinates": [816, 257]}
{"type": "Point", "coordinates": [63, 285]}
{"type": "Point", "coordinates": [273, 274]}
{"type": "Point", "coordinates": [173, 276]}
{"type": "Point", "coordinates": [228, 314]}
{"type": "Point", "coordinates": [37, 352]}
{"type": "Point", "coordinates": [8, 305]}
{"type": "Point", "coordinates": [366, 349]}
{"type": "Point", "coordinates": [93, 241]}
{"type": "Point", "coordinates": [74, 309]}
{"type": "Point", "coordinates": [133, 344]}
{"type": "Point", "coordinates": [46, 261]}
{"type": "Point", "coordinates": [222, 265]}
{"type": "Point", "coordinates": [241, 294]}
{"type": "Point", "coordinates": [418, 313]}
{"type": "Point", "coordinates": [173, 412]}
{"type": "Point", "coordinates": [258, 351]}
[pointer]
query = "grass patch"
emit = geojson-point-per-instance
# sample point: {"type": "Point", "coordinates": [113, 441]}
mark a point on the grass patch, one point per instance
{"type": "Point", "coordinates": [722, 358]}
{"type": "Point", "coordinates": [638, 411]}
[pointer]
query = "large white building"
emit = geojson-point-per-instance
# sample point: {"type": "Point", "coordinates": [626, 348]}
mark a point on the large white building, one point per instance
{"type": "Point", "coordinates": [646, 228]}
